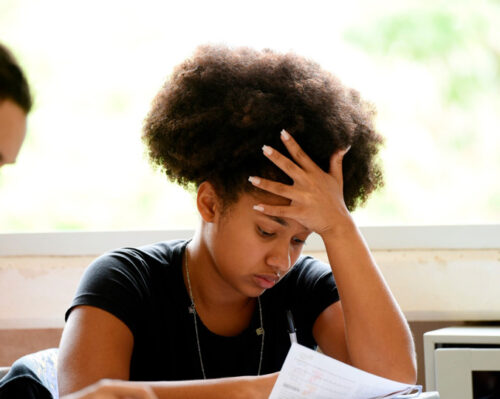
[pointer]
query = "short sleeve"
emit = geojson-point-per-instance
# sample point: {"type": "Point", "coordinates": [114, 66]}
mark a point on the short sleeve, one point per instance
{"type": "Point", "coordinates": [117, 283]}
{"type": "Point", "coordinates": [314, 288]}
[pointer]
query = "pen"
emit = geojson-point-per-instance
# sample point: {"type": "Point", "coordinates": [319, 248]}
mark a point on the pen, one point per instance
{"type": "Point", "coordinates": [291, 327]}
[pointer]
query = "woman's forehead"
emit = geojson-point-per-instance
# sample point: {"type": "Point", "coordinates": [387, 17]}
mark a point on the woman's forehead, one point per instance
{"type": "Point", "coordinates": [260, 196]}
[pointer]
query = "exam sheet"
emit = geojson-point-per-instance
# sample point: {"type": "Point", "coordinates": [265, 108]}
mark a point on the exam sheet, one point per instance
{"type": "Point", "coordinates": [313, 375]}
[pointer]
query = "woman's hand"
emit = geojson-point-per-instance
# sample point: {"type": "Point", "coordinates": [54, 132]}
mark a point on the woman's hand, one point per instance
{"type": "Point", "coordinates": [113, 389]}
{"type": "Point", "coordinates": [251, 387]}
{"type": "Point", "coordinates": [317, 198]}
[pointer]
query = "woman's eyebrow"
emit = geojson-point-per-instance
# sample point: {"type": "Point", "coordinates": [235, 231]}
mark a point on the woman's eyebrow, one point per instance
{"type": "Point", "coordinates": [279, 220]}
{"type": "Point", "coordinates": [284, 223]}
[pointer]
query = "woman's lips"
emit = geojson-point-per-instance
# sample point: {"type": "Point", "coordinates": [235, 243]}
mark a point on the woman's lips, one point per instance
{"type": "Point", "coordinates": [266, 280]}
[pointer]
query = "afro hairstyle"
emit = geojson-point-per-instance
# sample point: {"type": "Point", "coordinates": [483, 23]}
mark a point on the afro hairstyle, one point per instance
{"type": "Point", "coordinates": [220, 106]}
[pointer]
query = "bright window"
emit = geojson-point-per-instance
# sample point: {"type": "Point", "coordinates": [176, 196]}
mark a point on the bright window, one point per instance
{"type": "Point", "coordinates": [432, 68]}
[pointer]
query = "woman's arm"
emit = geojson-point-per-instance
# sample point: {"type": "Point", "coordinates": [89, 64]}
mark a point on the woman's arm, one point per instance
{"type": "Point", "coordinates": [94, 362]}
{"type": "Point", "coordinates": [231, 388]}
{"type": "Point", "coordinates": [94, 345]}
{"type": "Point", "coordinates": [377, 337]}
{"type": "Point", "coordinates": [113, 389]}
{"type": "Point", "coordinates": [376, 333]}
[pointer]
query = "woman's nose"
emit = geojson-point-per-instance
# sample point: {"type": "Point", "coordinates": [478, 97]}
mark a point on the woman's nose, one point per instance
{"type": "Point", "coordinates": [279, 259]}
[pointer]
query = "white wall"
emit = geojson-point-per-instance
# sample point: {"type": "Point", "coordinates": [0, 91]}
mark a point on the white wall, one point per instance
{"type": "Point", "coordinates": [437, 273]}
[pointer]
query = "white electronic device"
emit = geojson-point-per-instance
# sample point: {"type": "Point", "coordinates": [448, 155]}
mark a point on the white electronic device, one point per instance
{"type": "Point", "coordinates": [463, 362]}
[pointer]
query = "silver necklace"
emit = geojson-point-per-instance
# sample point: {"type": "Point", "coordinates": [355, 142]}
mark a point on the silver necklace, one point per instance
{"type": "Point", "coordinates": [192, 310]}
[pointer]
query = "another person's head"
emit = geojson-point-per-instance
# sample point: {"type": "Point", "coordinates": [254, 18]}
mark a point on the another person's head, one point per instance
{"type": "Point", "coordinates": [15, 104]}
{"type": "Point", "coordinates": [219, 107]}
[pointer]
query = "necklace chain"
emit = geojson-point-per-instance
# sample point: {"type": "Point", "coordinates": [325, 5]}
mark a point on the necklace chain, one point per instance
{"type": "Point", "coordinates": [192, 309]}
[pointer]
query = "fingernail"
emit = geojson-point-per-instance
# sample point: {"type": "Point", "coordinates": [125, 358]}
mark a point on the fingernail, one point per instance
{"type": "Point", "coordinates": [347, 150]}
{"type": "Point", "coordinates": [285, 135]}
{"type": "Point", "coordinates": [267, 150]}
{"type": "Point", "coordinates": [259, 208]}
{"type": "Point", "coordinates": [254, 180]}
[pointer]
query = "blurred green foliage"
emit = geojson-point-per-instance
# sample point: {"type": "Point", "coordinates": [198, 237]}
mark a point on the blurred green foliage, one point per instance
{"type": "Point", "coordinates": [419, 34]}
{"type": "Point", "coordinates": [452, 35]}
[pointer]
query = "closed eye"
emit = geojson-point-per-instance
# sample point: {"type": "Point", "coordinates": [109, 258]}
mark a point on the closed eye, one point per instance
{"type": "Point", "coordinates": [298, 241]}
{"type": "Point", "coordinates": [264, 233]}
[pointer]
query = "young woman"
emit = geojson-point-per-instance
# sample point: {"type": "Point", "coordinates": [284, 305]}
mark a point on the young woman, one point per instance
{"type": "Point", "coordinates": [276, 148]}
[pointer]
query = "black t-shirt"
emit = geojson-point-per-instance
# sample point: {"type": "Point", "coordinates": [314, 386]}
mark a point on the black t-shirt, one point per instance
{"type": "Point", "coordinates": [144, 288]}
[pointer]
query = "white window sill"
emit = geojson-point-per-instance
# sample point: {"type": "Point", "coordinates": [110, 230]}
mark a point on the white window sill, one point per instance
{"type": "Point", "coordinates": [378, 238]}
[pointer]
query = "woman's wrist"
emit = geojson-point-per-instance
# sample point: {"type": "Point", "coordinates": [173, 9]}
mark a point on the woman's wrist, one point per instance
{"type": "Point", "coordinates": [340, 230]}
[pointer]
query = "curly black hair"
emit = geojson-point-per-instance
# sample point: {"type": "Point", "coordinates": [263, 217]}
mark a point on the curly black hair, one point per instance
{"type": "Point", "coordinates": [13, 83]}
{"type": "Point", "coordinates": [219, 107]}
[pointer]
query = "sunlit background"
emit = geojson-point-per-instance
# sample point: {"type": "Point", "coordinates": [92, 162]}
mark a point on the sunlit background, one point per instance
{"type": "Point", "coordinates": [432, 68]}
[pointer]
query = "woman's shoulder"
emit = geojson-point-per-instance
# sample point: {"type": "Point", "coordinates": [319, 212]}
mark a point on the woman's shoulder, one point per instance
{"type": "Point", "coordinates": [123, 280]}
{"type": "Point", "coordinates": [160, 254]}
{"type": "Point", "coordinates": [307, 265]}
{"type": "Point", "coordinates": [137, 265]}
{"type": "Point", "coordinates": [308, 273]}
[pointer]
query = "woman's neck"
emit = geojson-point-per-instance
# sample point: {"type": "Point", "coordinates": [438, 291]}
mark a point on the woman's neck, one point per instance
{"type": "Point", "coordinates": [208, 286]}
{"type": "Point", "coordinates": [222, 309]}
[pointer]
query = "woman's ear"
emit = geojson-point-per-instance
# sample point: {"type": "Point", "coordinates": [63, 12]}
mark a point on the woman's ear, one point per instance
{"type": "Point", "coordinates": [208, 202]}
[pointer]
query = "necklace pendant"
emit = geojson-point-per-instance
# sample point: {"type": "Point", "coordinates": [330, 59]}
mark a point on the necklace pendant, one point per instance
{"type": "Point", "coordinates": [191, 309]}
{"type": "Point", "coordinates": [259, 331]}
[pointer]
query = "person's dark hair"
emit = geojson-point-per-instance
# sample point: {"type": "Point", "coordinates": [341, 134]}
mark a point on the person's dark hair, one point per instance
{"type": "Point", "coordinates": [13, 83]}
{"type": "Point", "coordinates": [219, 107]}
